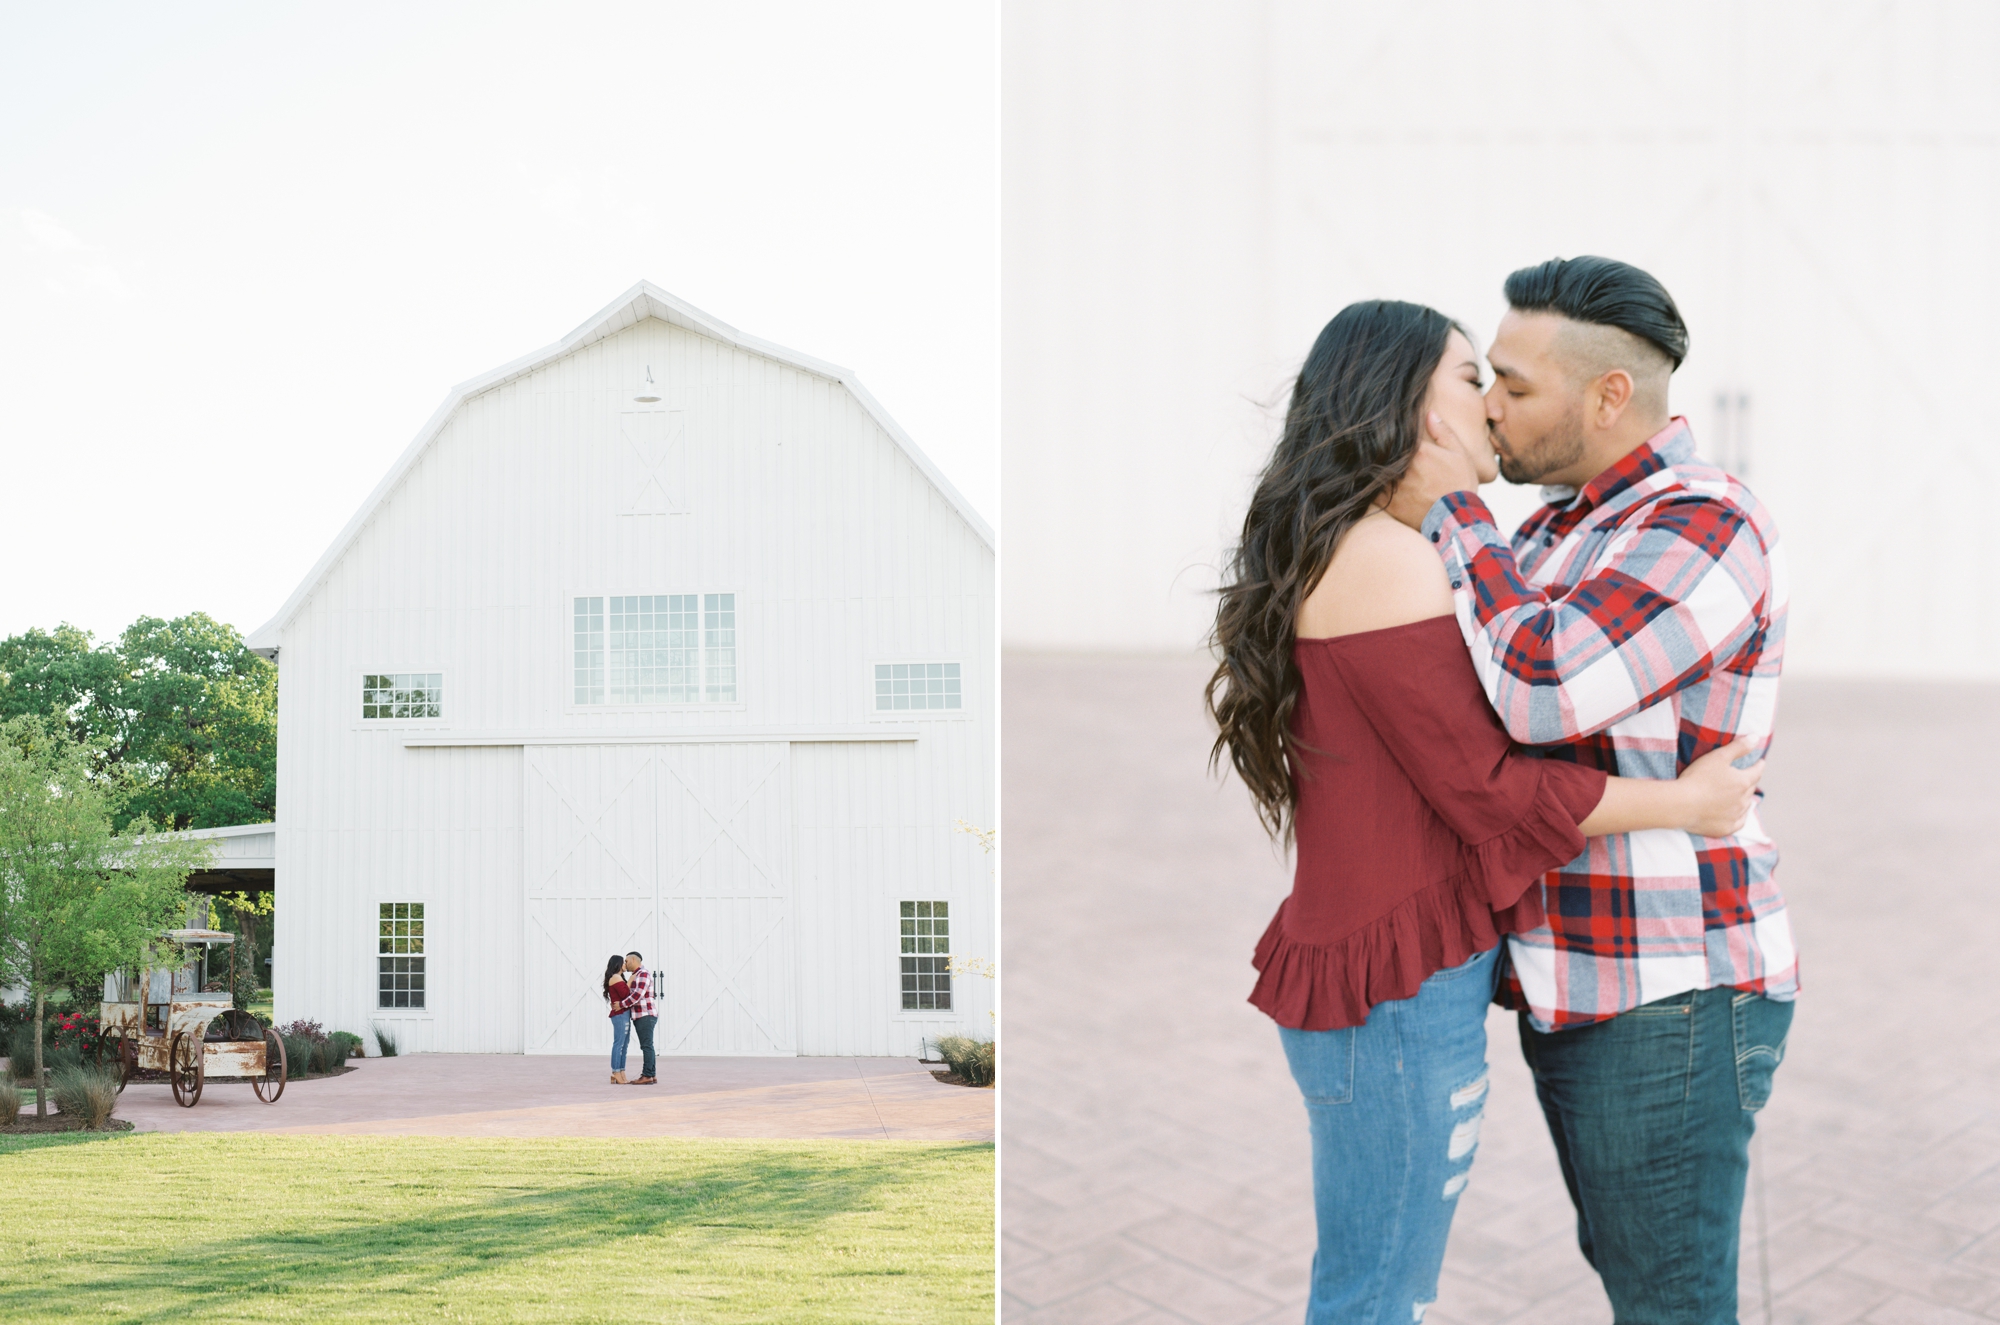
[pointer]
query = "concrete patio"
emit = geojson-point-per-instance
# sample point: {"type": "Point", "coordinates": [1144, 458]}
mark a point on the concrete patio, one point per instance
{"type": "Point", "coordinates": [820, 1099]}
{"type": "Point", "coordinates": [1154, 1156]}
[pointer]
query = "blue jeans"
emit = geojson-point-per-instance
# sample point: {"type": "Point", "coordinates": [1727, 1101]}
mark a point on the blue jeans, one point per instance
{"type": "Point", "coordinates": [1395, 1107]}
{"type": "Point", "coordinates": [1651, 1113]}
{"type": "Point", "coordinates": [644, 1025]}
{"type": "Point", "coordinates": [621, 1030]}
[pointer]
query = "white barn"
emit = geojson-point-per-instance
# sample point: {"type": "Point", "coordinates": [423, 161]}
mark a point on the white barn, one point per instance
{"type": "Point", "coordinates": [660, 638]}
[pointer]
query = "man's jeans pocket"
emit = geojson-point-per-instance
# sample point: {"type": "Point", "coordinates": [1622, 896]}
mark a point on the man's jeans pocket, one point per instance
{"type": "Point", "coordinates": [1761, 1025]}
{"type": "Point", "coordinates": [1322, 1062]}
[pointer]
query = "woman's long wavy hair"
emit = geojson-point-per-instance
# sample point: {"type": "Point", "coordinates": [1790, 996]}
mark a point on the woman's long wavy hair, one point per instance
{"type": "Point", "coordinates": [612, 970]}
{"type": "Point", "coordinates": [1350, 433]}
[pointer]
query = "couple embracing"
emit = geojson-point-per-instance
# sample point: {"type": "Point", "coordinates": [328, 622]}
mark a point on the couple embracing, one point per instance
{"type": "Point", "coordinates": [1509, 766]}
{"type": "Point", "coordinates": [628, 990]}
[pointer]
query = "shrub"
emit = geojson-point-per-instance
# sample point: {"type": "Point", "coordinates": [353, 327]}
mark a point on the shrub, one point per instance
{"type": "Point", "coordinates": [73, 1030]}
{"type": "Point", "coordinates": [305, 1030]}
{"type": "Point", "coordinates": [298, 1053]}
{"type": "Point", "coordinates": [87, 1094]}
{"type": "Point", "coordinates": [972, 1059]}
{"type": "Point", "coordinates": [21, 1051]}
{"type": "Point", "coordinates": [10, 1103]}
{"type": "Point", "coordinates": [350, 1039]}
{"type": "Point", "coordinates": [385, 1041]}
{"type": "Point", "coordinates": [329, 1055]}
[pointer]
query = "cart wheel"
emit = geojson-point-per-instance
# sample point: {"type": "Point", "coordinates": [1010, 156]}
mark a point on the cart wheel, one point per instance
{"type": "Point", "coordinates": [186, 1066]}
{"type": "Point", "coordinates": [272, 1083]}
{"type": "Point", "coordinates": [128, 1060]}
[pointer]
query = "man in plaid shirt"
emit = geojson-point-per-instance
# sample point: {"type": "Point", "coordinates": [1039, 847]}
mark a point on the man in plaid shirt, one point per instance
{"type": "Point", "coordinates": [1634, 623]}
{"type": "Point", "coordinates": [645, 1016]}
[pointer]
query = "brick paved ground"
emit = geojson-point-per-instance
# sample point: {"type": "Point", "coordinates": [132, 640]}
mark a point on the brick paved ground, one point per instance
{"type": "Point", "coordinates": [516, 1095]}
{"type": "Point", "coordinates": [1153, 1150]}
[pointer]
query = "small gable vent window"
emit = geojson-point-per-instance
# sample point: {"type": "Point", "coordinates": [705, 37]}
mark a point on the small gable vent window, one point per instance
{"type": "Point", "coordinates": [655, 649]}
{"type": "Point", "coordinates": [402, 695]}
{"type": "Point", "coordinates": [916, 686]}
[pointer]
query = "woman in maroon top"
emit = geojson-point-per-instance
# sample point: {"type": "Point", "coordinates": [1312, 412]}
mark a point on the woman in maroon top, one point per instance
{"type": "Point", "coordinates": [1348, 704]}
{"type": "Point", "coordinates": [618, 994]}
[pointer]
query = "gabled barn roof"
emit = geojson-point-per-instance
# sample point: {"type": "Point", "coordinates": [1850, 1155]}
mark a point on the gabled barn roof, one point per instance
{"type": "Point", "coordinates": [642, 301]}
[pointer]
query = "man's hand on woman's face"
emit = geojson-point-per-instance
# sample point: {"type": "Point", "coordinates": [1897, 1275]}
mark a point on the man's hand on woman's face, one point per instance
{"type": "Point", "coordinates": [1440, 467]}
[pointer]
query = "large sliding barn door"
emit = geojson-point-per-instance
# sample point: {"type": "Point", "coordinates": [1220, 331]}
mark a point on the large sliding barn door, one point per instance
{"type": "Point", "coordinates": [588, 864]}
{"type": "Point", "coordinates": [680, 851]}
{"type": "Point", "coordinates": [725, 900]}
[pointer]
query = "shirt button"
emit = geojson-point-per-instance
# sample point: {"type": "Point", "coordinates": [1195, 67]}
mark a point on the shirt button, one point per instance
{"type": "Point", "coordinates": [1454, 584]}
{"type": "Point", "coordinates": [1549, 541]}
{"type": "Point", "coordinates": [1434, 537]}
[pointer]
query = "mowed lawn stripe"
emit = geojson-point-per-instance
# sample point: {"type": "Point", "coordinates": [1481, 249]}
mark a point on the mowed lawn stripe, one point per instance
{"type": "Point", "coordinates": [218, 1227]}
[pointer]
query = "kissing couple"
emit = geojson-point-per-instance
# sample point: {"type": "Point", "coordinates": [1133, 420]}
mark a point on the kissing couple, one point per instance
{"type": "Point", "coordinates": [1519, 769]}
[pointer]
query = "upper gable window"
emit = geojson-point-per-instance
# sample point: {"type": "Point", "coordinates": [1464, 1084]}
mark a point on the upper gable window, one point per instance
{"type": "Point", "coordinates": [402, 695]}
{"type": "Point", "coordinates": [917, 686]}
{"type": "Point", "coordinates": [655, 649]}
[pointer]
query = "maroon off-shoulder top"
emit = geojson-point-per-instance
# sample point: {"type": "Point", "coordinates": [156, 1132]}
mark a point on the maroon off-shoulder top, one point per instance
{"type": "Point", "coordinates": [1421, 828]}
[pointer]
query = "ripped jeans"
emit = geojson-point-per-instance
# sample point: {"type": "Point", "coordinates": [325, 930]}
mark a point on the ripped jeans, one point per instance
{"type": "Point", "coordinates": [1395, 1107]}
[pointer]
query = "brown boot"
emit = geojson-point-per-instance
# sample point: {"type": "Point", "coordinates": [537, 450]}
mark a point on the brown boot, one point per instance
{"type": "Point", "coordinates": [647, 1081]}
{"type": "Point", "coordinates": [618, 1079]}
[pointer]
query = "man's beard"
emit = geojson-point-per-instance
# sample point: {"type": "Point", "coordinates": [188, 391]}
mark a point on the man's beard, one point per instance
{"type": "Point", "coordinates": [1560, 448]}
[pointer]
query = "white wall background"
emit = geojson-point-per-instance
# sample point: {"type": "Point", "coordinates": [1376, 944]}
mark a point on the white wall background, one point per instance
{"type": "Point", "coordinates": [1192, 188]}
{"type": "Point", "coordinates": [245, 249]}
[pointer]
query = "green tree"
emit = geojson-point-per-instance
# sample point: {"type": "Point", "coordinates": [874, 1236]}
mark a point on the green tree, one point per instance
{"type": "Point", "coordinates": [201, 741]}
{"type": "Point", "coordinates": [76, 899]}
{"type": "Point", "coordinates": [66, 676]}
{"type": "Point", "coordinates": [240, 912]}
{"type": "Point", "coordinates": [179, 719]}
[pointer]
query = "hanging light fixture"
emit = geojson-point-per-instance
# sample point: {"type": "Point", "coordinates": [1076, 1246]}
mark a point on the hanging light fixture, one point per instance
{"type": "Point", "coordinates": [649, 392]}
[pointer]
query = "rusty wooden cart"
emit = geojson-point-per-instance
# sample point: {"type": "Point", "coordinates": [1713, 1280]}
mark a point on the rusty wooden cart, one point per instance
{"type": "Point", "coordinates": [165, 1021]}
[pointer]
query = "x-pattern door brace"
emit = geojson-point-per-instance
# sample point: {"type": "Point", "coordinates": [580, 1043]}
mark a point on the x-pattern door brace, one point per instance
{"type": "Point", "coordinates": [724, 824]}
{"type": "Point", "coordinates": [588, 827]}
{"type": "Point", "coordinates": [662, 433]}
{"type": "Point", "coordinates": [584, 978]}
{"type": "Point", "coordinates": [726, 984]}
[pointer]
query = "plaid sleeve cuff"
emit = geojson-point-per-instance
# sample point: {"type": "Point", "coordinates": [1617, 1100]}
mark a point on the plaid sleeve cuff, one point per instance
{"type": "Point", "coordinates": [1462, 511]}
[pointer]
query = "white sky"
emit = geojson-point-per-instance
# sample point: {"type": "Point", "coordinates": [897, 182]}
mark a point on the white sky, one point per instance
{"type": "Point", "coordinates": [246, 249]}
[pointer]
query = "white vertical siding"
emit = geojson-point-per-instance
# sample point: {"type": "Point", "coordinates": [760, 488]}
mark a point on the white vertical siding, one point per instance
{"type": "Point", "coordinates": [875, 828]}
{"type": "Point", "coordinates": [840, 553]}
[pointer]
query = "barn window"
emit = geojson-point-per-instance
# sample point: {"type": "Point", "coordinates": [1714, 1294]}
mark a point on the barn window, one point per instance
{"type": "Point", "coordinates": [400, 955]}
{"type": "Point", "coordinates": [590, 650]}
{"type": "Point", "coordinates": [916, 686]}
{"type": "Point", "coordinates": [402, 695]}
{"type": "Point", "coordinates": [926, 940]}
{"type": "Point", "coordinates": [718, 646]}
{"type": "Point", "coordinates": [655, 649]}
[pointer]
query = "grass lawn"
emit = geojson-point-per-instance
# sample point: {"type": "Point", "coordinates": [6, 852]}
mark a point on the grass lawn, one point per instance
{"type": "Point", "coordinates": [215, 1227]}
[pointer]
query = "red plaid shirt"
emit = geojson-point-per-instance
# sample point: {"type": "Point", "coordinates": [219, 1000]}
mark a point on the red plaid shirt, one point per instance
{"type": "Point", "coordinates": [1635, 626]}
{"type": "Point", "coordinates": [641, 1002]}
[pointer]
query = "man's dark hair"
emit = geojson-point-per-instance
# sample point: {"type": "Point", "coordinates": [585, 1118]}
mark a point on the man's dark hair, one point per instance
{"type": "Point", "coordinates": [1606, 292]}
{"type": "Point", "coordinates": [640, 955]}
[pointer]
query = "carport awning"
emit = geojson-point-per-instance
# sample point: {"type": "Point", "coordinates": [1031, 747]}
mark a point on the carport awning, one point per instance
{"type": "Point", "coordinates": [244, 858]}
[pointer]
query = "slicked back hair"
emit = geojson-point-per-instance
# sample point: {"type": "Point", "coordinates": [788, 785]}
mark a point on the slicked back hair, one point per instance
{"type": "Point", "coordinates": [1607, 293]}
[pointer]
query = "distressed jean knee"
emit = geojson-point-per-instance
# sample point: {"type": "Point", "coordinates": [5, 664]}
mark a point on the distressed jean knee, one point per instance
{"type": "Point", "coordinates": [1468, 1107]}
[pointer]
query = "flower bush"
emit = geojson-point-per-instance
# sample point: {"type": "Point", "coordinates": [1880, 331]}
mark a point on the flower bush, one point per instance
{"type": "Point", "coordinates": [72, 1030]}
{"type": "Point", "coordinates": [304, 1030]}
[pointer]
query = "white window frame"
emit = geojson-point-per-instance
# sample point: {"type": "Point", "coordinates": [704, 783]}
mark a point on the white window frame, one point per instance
{"type": "Point", "coordinates": [962, 713]}
{"type": "Point", "coordinates": [359, 684]}
{"type": "Point", "coordinates": [701, 595]}
{"type": "Point", "coordinates": [376, 1011]}
{"type": "Point", "coordinates": [896, 922]}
